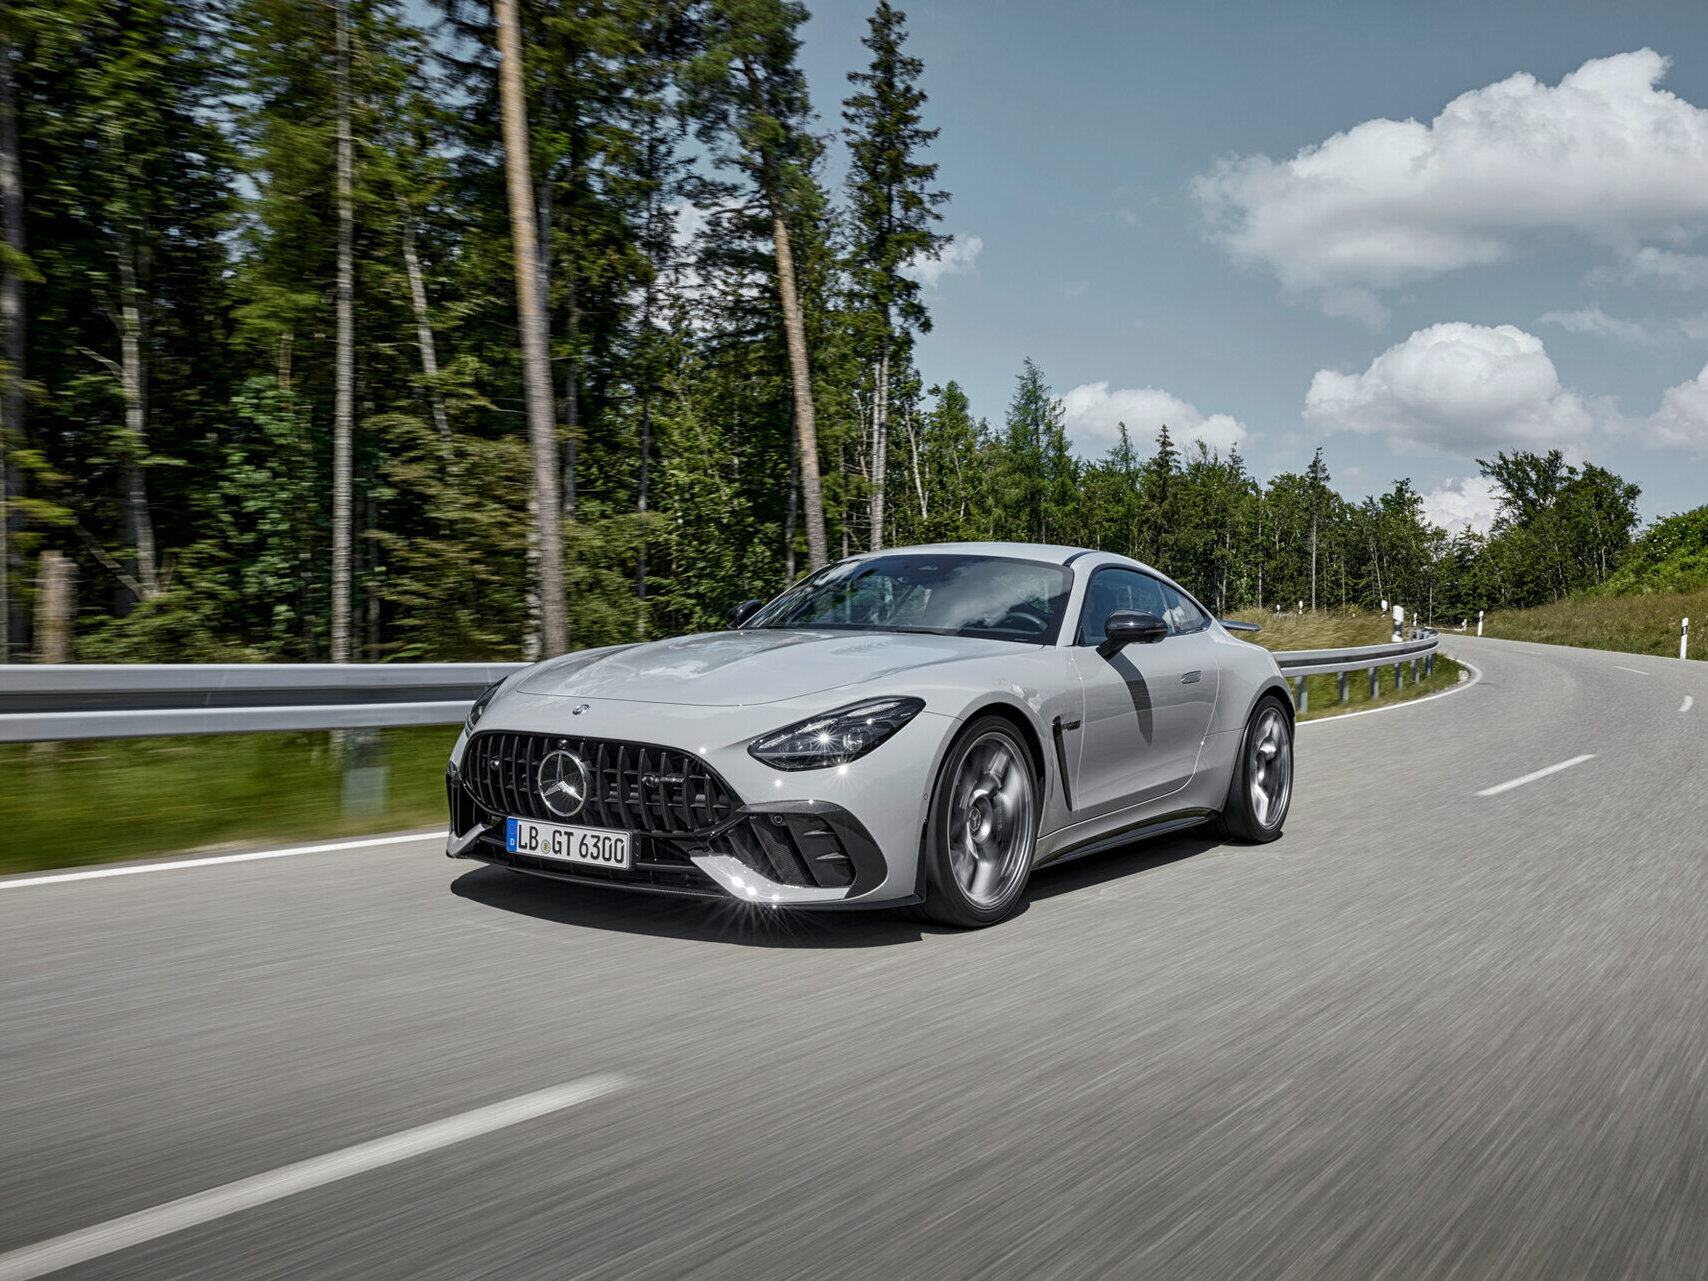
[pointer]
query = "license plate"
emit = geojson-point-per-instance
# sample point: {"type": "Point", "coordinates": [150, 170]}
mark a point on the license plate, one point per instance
{"type": "Point", "coordinates": [596, 847]}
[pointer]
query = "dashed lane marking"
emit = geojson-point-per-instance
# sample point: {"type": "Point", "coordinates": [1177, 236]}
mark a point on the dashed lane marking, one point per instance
{"type": "Point", "coordinates": [1687, 704]}
{"type": "Point", "coordinates": [1511, 783]}
{"type": "Point", "coordinates": [173, 865]}
{"type": "Point", "coordinates": [1632, 670]}
{"type": "Point", "coordinates": [245, 1194]}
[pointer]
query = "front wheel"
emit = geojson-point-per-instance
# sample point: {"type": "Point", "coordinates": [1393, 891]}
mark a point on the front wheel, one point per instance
{"type": "Point", "coordinates": [983, 827]}
{"type": "Point", "coordinates": [1262, 785]}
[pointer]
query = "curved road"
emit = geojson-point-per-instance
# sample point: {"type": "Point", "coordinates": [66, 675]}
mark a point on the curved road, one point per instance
{"type": "Point", "coordinates": [1430, 1033]}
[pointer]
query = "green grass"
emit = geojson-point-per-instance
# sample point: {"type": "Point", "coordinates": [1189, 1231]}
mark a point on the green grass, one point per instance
{"type": "Point", "coordinates": [1334, 629]}
{"type": "Point", "coordinates": [1638, 624]}
{"type": "Point", "coordinates": [63, 804]}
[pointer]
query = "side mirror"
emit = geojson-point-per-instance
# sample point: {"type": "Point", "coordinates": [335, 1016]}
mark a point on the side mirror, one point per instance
{"type": "Point", "coordinates": [744, 611]}
{"type": "Point", "coordinates": [1129, 627]}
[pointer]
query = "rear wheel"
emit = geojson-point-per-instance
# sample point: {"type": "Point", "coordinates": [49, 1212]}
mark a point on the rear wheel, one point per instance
{"type": "Point", "coordinates": [983, 827]}
{"type": "Point", "coordinates": [1262, 785]}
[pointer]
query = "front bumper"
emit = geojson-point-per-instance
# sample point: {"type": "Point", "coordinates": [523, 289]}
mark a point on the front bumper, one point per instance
{"type": "Point", "coordinates": [840, 837]}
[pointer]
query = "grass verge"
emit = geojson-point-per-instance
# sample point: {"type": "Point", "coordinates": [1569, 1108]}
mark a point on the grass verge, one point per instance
{"type": "Point", "coordinates": [65, 804]}
{"type": "Point", "coordinates": [1642, 624]}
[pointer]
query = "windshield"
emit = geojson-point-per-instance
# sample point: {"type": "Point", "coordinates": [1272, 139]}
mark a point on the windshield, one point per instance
{"type": "Point", "coordinates": [985, 596]}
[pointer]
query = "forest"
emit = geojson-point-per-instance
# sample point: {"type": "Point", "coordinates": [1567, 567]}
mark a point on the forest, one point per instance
{"type": "Point", "coordinates": [350, 330]}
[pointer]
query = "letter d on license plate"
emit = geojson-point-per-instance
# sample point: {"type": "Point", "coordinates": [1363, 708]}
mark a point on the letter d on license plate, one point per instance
{"type": "Point", "coordinates": [593, 846]}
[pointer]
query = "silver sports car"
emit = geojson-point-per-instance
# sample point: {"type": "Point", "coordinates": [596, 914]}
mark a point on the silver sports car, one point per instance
{"type": "Point", "coordinates": [923, 725]}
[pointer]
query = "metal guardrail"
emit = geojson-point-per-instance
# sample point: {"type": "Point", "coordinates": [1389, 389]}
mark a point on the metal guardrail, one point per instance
{"type": "Point", "coordinates": [136, 700]}
{"type": "Point", "coordinates": [1418, 652]}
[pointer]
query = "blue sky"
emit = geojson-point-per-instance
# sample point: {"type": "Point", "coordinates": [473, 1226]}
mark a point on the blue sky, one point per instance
{"type": "Point", "coordinates": [1194, 213]}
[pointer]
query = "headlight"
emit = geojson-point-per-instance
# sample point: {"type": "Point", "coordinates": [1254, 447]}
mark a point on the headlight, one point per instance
{"type": "Point", "coordinates": [479, 708]}
{"type": "Point", "coordinates": [835, 738]}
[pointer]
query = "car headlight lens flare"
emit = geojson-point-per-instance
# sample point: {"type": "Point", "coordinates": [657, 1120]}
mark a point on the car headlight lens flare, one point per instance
{"type": "Point", "coordinates": [837, 737]}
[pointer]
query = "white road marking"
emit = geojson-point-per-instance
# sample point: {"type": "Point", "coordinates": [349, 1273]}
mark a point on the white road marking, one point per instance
{"type": "Point", "coordinates": [1632, 670]}
{"type": "Point", "coordinates": [1531, 778]}
{"type": "Point", "coordinates": [1687, 704]}
{"type": "Point", "coordinates": [54, 878]}
{"type": "Point", "coordinates": [203, 1207]}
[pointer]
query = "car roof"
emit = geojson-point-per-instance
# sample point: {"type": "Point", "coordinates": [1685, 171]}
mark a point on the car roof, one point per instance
{"type": "Point", "coordinates": [1050, 553]}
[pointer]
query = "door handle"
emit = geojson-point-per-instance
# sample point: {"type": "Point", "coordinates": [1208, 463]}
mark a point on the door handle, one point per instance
{"type": "Point", "coordinates": [1192, 678]}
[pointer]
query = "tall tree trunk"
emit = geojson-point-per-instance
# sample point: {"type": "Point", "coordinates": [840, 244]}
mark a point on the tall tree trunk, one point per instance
{"type": "Point", "coordinates": [344, 370]}
{"type": "Point", "coordinates": [11, 336]}
{"type": "Point", "coordinates": [881, 441]}
{"type": "Point", "coordinates": [790, 511]}
{"type": "Point", "coordinates": [571, 400]}
{"type": "Point", "coordinates": [139, 526]}
{"type": "Point", "coordinates": [806, 427]}
{"type": "Point", "coordinates": [918, 476]}
{"type": "Point", "coordinates": [536, 372]}
{"type": "Point", "coordinates": [56, 606]}
{"type": "Point", "coordinates": [424, 329]}
{"type": "Point", "coordinates": [1313, 562]}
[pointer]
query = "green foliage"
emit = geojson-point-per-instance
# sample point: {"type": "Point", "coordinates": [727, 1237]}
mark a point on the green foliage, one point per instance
{"type": "Point", "coordinates": [1671, 556]}
{"type": "Point", "coordinates": [194, 142]}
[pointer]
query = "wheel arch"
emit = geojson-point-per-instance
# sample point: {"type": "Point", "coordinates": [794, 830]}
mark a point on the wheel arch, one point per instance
{"type": "Point", "coordinates": [1023, 723]}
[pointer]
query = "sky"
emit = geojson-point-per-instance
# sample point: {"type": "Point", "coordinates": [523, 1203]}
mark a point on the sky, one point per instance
{"type": "Point", "coordinates": [1411, 234]}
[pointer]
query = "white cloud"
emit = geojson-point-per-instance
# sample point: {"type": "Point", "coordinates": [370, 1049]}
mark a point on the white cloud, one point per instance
{"type": "Point", "coordinates": [1091, 412]}
{"type": "Point", "coordinates": [1593, 320]}
{"type": "Point", "coordinates": [1651, 266]}
{"type": "Point", "coordinates": [957, 258]}
{"type": "Point", "coordinates": [1682, 420]}
{"type": "Point", "coordinates": [1459, 505]}
{"type": "Point", "coordinates": [1459, 388]}
{"type": "Point", "coordinates": [1603, 156]}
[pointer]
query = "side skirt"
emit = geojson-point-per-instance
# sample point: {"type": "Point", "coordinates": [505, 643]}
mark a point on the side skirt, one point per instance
{"type": "Point", "coordinates": [1139, 831]}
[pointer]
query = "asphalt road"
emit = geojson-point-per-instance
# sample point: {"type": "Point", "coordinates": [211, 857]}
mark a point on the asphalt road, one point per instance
{"type": "Point", "coordinates": [1429, 1033]}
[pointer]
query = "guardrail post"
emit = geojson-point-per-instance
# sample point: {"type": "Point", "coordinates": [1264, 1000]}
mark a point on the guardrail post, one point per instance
{"type": "Point", "coordinates": [1375, 684]}
{"type": "Point", "coordinates": [1345, 696]}
{"type": "Point", "coordinates": [1302, 700]}
{"type": "Point", "coordinates": [1399, 676]}
{"type": "Point", "coordinates": [364, 773]}
{"type": "Point", "coordinates": [1414, 671]}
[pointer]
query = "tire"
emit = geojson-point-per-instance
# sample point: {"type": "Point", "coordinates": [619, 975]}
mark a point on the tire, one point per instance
{"type": "Point", "coordinates": [982, 829]}
{"type": "Point", "coordinates": [1262, 786]}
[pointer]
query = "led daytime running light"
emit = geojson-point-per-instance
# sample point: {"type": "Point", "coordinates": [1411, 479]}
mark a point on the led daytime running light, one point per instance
{"type": "Point", "coordinates": [837, 737]}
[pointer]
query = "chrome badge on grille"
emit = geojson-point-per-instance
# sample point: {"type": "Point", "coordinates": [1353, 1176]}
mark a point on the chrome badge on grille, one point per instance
{"type": "Point", "coordinates": [563, 782]}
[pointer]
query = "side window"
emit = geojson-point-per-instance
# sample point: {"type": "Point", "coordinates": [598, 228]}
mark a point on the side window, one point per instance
{"type": "Point", "coordinates": [1112, 589]}
{"type": "Point", "coordinates": [1183, 616]}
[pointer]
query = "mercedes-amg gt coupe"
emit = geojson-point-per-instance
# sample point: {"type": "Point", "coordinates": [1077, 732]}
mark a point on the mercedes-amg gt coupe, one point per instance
{"type": "Point", "coordinates": [915, 726]}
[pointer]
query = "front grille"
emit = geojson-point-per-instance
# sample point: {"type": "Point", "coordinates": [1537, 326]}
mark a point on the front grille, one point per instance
{"type": "Point", "coordinates": [637, 787]}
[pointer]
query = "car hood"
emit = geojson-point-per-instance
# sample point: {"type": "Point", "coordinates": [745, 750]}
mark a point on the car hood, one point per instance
{"type": "Point", "coordinates": [736, 668]}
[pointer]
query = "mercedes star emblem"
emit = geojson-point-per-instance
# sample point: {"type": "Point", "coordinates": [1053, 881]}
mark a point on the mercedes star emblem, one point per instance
{"type": "Point", "coordinates": [563, 783]}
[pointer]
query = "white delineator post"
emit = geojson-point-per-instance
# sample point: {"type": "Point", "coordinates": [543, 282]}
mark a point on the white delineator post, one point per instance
{"type": "Point", "coordinates": [1399, 618]}
{"type": "Point", "coordinates": [1684, 639]}
{"type": "Point", "coordinates": [1479, 622]}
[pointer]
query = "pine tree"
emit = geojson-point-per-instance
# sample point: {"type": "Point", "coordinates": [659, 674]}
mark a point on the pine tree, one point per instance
{"type": "Point", "coordinates": [750, 100]}
{"type": "Point", "coordinates": [1318, 493]}
{"type": "Point", "coordinates": [892, 212]}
